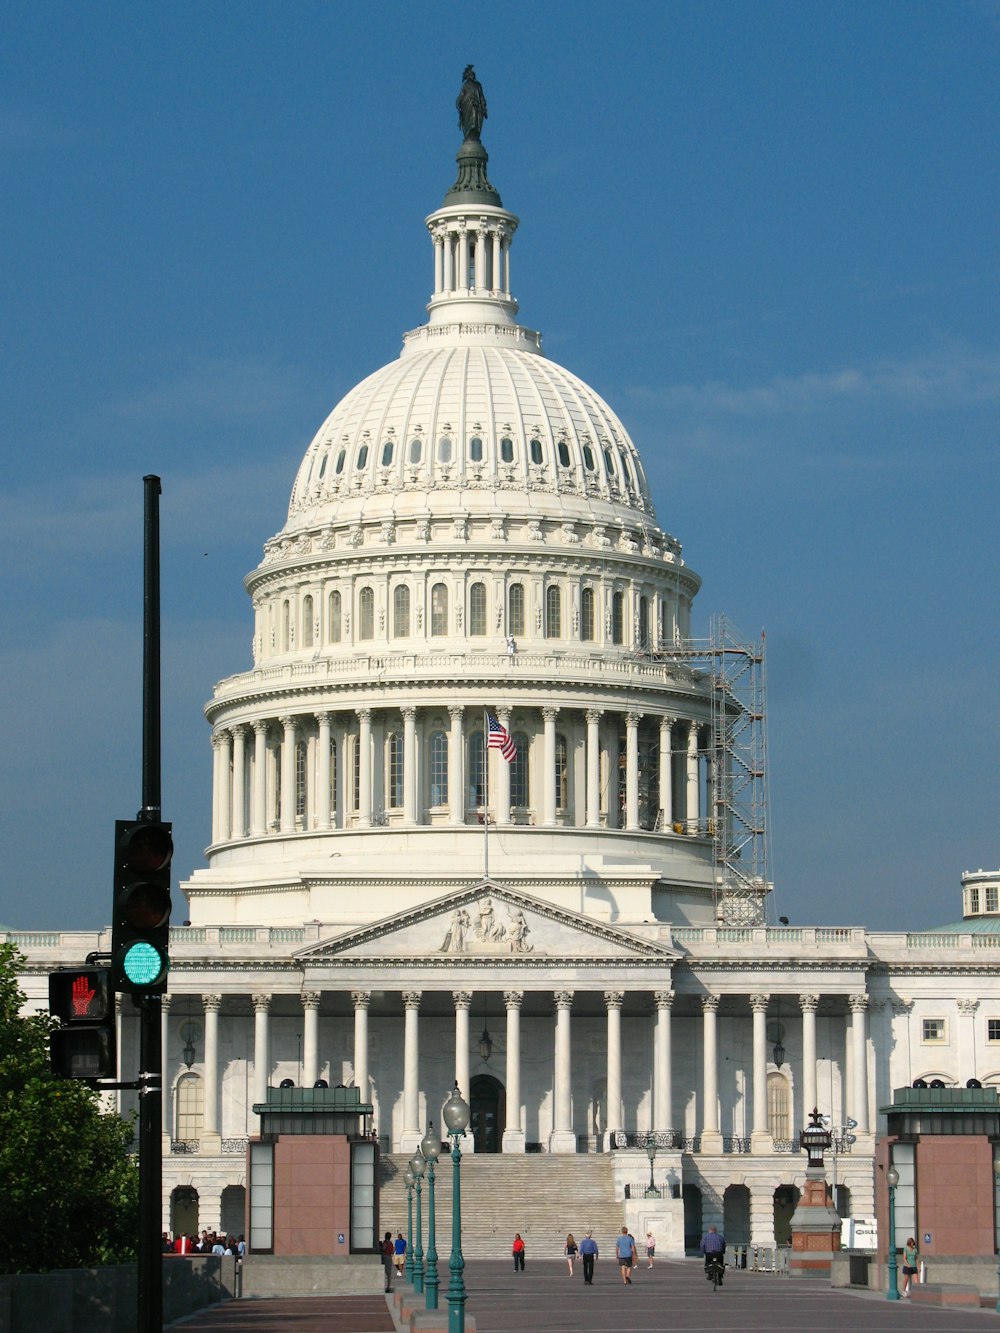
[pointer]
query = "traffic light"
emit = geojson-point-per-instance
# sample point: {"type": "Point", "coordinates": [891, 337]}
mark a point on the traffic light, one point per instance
{"type": "Point", "coordinates": [140, 925]}
{"type": "Point", "coordinates": [83, 1001]}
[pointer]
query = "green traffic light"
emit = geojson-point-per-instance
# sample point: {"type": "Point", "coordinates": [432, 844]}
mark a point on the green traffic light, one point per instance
{"type": "Point", "coordinates": [143, 964]}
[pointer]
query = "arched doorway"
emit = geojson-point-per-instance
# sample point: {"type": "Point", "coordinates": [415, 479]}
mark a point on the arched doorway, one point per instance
{"type": "Point", "coordinates": [786, 1200]}
{"type": "Point", "coordinates": [488, 1104]}
{"type": "Point", "coordinates": [692, 1218]}
{"type": "Point", "coordinates": [736, 1215]}
{"type": "Point", "coordinates": [184, 1211]}
{"type": "Point", "coordinates": [234, 1205]}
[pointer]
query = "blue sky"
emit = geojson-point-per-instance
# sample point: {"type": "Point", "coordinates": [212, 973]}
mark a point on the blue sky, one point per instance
{"type": "Point", "coordinates": [766, 233]}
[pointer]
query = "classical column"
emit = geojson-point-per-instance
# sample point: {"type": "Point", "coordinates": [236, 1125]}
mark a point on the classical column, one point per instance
{"type": "Point", "coordinates": [760, 1139]}
{"type": "Point", "coordinates": [480, 259]}
{"type": "Point", "coordinates": [412, 1133]}
{"type": "Point", "coordinates": [613, 750]}
{"type": "Point", "coordinates": [593, 768]}
{"type": "Point", "coordinates": [286, 814]}
{"type": "Point", "coordinates": [631, 771]}
{"type": "Point", "coordinates": [438, 264]}
{"type": "Point", "coordinates": [409, 763]}
{"type": "Point", "coordinates": [513, 1134]}
{"type": "Point", "coordinates": [456, 776]}
{"type": "Point", "coordinates": [165, 1073]}
{"type": "Point", "coordinates": [614, 999]}
{"type": "Point", "coordinates": [808, 1005]}
{"type": "Point", "coordinates": [967, 1061]}
{"type": "Point", "coordinates": [258, 812]}
{"type": "Point", "coordinates": [361, 1000]}
{"type": "Point", "coordinates": [261, 1047]}
{"type": "Point", "coordinates": [364, 767]}
{"type": "Point", "coordinates": [238, 824]}
{"type": "Point", "coordinates": [310, 1037]}
{"type": "Point", "coordinates": [210, 1142]}
{"type": "Point", "coordinates": [462, 1000]}
{"type": "Point", "coordinates": [216, 786]}
{"type": "Point", "coordinates": [323, 772]}
{"type": "Point", "coordinates": [501, 768]}
{"type": "Point", "coordinates": [663, 1117]}
{"type": "Point", "coordinates": [549, 716]}
{"type": "Point", "coordinates": [666, 774]}
{"type": "Point", "coordinates": [693, 810]}
{"type": "Point", "coordinates": [449, 262]}
{"type": "Point", "coordinates": [859, 1047]}
{"type": "Point", "coordinates": [495, 279]}
{"type": "Point", "coordinates": [562, 1139]}
{"type": "Point", "coordinates": [225, 784]}
{"type": "Point", "coordinates": [341, 803]}
{"type": "Point", "coordinates": [711, 1139]}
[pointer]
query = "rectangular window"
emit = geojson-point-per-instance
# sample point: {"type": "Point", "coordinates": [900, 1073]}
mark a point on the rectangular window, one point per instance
{"type": "Point", "coordinates": [935, 1030]}
{"type": "Point", "coordinates": [993, 1029]}
{"type": "Point", "coordinates": [973, 901]}
{"type": "Point", "coordinates": [991, 899]}
{"type": "Point", "coordinates": [395, 771]}
{"type": "Point", "coordinates": [515, 610]}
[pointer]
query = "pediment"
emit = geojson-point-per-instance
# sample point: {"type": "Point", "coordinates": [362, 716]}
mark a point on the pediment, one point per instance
{"type": "Point", "coordinates": [486, 922]}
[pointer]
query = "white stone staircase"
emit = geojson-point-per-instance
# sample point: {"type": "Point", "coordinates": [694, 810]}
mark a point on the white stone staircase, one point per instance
{"type": "Point", "coordinates": [540, 1195]}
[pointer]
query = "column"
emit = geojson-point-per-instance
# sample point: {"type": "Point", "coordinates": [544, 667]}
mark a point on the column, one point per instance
{"type": "Point", "coordinates": [513, 1134]}
{"type": "Point", "coordinates": [165, 1073]}
{"type": "Point", "coordinates": [238, 824]}
{"type": "Point", "coordinates": [666, 775]}
{"type": "Point", "coordinates": [693, 812]}
{"type": "Point", "coordinates": [323, 771]}
{"type": "Point", "coordinates": [364, 768]}
{"type": "Point", "coordinates": [631, 771]}
{"type": "Point", "coordinates": [448, 254]}
{"type": "Point", "coordinates": [211, 1144]}
{"type": "Point", "coordinates": [663, 1116]}
{"type": "Point", "coordinates": [614, 756]}
{"type": "Point", "coordinates": [495, 276]}
{"type": "Point", "coordinates": [711, 1139]}
{"type": "Point", "coordinates": [225, 794]}
{"type": "Point", "coordinates": [614, 999]}
{"type": "Point", "coordinates": [859, 1050]}
{"type": "Point", "coordinates": [808, 1004]}
{"type": "Point", "coordinates": [549, 767]}
{"type": "Point", "coordinates": [341, 803]}
{"type": "Point", "coordinates": [562, 1139]}
{"type": "Point", "coordinates": [361, 1000]}
{"type": "Point", "coordinates": [456, 775]}
{"type": "Point", "coordinates": [258, 813]}
{"type": "Point", "coordinates": [967, 1061]}
{"type": "Point", "coordinates": [286, 814]}
{"type": "Point", "coordinates": [501, 802]}
{"type": "Point", "coordinates": [462, 1000]}
{"type": "Point", "coordinates": [438, 264]}
{"type": "Point", "coordinates": [310, 1037]}
{"type": "Point", "coordinates": [593, 768]}
{"type": "Point", "coordinates": [410, 1138]}
{"type": "Point", "coordinates": [409, 764]}
{"type": "Point", "coordinates": [760, 1139]}
{"type": "Point", "coordinates": [480, 259]}
{"type": "Point", "coordinates": [261, 1047]}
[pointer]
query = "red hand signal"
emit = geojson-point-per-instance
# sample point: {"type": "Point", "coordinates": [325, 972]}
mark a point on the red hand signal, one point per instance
{"type": "Point", "coordinates": [82, 996]}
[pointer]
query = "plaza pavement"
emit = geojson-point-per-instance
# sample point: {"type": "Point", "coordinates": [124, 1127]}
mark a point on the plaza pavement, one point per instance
{"type": "Point", "coordinates": [672, 1298]}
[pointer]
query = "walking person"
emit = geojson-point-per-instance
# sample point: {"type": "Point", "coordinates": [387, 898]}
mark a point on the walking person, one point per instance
{"type": "Point", "coordinates": [517, 1250]}
{"type": "Point", "coordinates": [570, 1250]}
{"type": "Point", "coordinates": [588, 1253]}
{"type": "Point", "coordinates": [911, 1265]}
{"type": "Point", "coordinates": [650, 1248]}
{"type": "Point", "coordinates": [625, 1252]}
{"type": "Point", "coordinates": [388, 1254]}
{"type": "Point", "coordinates": [399, 1253]}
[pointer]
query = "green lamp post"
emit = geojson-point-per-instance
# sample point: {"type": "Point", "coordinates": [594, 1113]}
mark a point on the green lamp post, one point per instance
{"type": "Point", "coordinates": [409, 1180]}
{"type": "Point", "coordinates": [456, 1119]}
{"type": "Point", "coordinates": [892, 1180]}
{"type": "Point", "coordinates": [430, 1147]}
{"type": "Point", "coordinates": [416, 1165]}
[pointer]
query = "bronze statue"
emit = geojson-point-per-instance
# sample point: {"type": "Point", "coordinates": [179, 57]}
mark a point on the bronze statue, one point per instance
{"type": "Point", "coordinates": [471, 105]}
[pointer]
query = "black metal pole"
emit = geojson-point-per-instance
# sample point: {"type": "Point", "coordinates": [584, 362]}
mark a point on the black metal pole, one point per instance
{"type": "Point", "coordinates": [150, 1305]}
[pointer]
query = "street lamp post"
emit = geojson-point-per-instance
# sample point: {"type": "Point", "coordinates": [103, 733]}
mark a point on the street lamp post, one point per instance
{"type": "Point", "coordinates": [456, 1119]}
{"type": "Point", "coordinates": [431, 1148]}
{"type": "Point", "coordinates": [892, 1180]}
{"type": "Point", "coordinates": [651, 1154]}
{"type": "Point", "coordinates": [417, 1167]}
{"type": "Point", "coordinates": [409, 1179]}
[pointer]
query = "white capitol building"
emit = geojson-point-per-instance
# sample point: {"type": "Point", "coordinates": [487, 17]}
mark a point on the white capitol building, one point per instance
{"type": "Point", "coordinates": [471, 531]}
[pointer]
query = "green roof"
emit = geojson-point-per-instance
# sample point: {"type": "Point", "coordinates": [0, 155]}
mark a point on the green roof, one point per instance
{"type": "Point", "coordinates": [974, 925]}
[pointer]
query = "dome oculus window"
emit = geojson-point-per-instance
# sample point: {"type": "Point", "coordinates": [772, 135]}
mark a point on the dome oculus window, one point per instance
{"type": "Point", "coordinates": [536, 451]}
{"type": "Point", "coordinates": [506, 450]}
{"type": "Point", "coordinates": [416, 450]}
{"type": "Point", "coordinates": [444, 449]}
{"type": "Point", "coordinates": [475, 450]}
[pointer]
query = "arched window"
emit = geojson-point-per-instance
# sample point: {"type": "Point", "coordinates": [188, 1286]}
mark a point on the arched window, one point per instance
{"type": "Point", "coordinates": [477, 609]}
{"type": "Point", "coordinates": [475, 449]}
{"type": "Point", "coordinates": [286, 626]}
{"type": "Point", "coordinates": [643, 622]}
{"type": "Point", "coordinates": [618, 618]}
{"type": "Point", "coordinates": [439, 611]}
{"type": "Point", "coordinates": [401, 612]}
{"type": "Point", "coordinates": [563, 452]}
{"type": "Point", "coordinates": [519, 788]}
{"type": "Point", "coordinates": [333, 777]}
{"type": "Point", "coordinates": [307, 621]}
{"type": "Point", "coordinates": [189, 1108]}
{"type": "Point", "coordinates": [536, 451]}
{"type": "Point", "coordinates": [562, 773]}
{"type": "Point", "coordinates": [553, 612]}
{"type": "Point", "coordinates": [300, 779]}
{"type": "Point", "coordinates": [506, 450]}
{"type": "Point", "coordinates": [587, 615]}
{"type": "Point", "coordinates": [477, 774]}
{"type": "Point", "coordinates": [416, 449]}
{"type": "Point", "coordinates": [778, 1105]}
{"type": "Point", "coordinates": [515, 609]}
{"type": "Point", "coordinates": [334, 618]}
{"type": "Point", "coordinates": [438, 756]}
{"type": "Point", "coordinates": [394, 770]}
{"type": "Point", "coordinates": [366, 614]}
{"type": "Point", "coordinates": [588, 458]}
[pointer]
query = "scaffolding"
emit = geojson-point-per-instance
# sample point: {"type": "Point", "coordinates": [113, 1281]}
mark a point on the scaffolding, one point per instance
{"type": "Point", "coordinates": [737, 782]}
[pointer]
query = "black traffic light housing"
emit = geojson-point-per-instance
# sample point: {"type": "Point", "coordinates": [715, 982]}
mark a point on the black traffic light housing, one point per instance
{"type": "Point", "coordinates": [84, 1046]}
{"type": "Point", "coordinates": [140, 925]}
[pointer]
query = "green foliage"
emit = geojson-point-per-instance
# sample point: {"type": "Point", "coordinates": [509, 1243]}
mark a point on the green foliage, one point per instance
{"type": "Point", "coordinates": [70, 1190]}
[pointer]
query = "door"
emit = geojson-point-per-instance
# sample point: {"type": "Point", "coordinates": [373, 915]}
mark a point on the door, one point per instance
{"type": "Point", "coordinates": [488, 1118]}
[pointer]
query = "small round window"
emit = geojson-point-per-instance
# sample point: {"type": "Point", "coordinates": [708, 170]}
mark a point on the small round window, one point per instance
{"type": "Point", "coordinates": [362, 456]}
{"type": "Point", "coordinates": [416, 449]}
{"type": "Point", "coordinates": [475, 449]}
{"type": "Point", "coordinates": [563, 454]}
{"type": "Point", "coordinates": [444, 449]}
{"type": "Point", "coordinates": [588, 458]}
{"type": "Point", "coordinates": [507, 450]}
{"type": "Point", "coordinates": [536, 451]}
{"type": "Point", "coordinates": [340, 461]}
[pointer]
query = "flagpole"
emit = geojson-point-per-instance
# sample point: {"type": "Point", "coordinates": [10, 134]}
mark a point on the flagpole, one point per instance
{"type": "Point", "coordinates": [486, 795]}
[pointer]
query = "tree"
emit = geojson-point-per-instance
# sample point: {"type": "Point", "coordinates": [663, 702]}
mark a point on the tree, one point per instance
{"type": "Point", "coordinates": [70, 1193]}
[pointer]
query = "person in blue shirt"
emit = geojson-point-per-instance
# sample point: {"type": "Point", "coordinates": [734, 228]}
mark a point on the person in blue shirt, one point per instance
{"type": "Point", "coordinates": [588, 1253]}
{"type": "Point", "coordinates": [625, 1251]}
{"type": "Point", "coordinates": [713, 1244]}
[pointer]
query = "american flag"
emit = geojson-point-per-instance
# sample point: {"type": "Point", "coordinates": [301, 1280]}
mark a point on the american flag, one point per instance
{"type": "Point", "coordinates": [499, 739]}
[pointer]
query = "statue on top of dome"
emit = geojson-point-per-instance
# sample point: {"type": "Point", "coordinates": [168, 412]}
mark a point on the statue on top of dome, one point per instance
{"type": "Point", "coordinates": [471, 105]}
